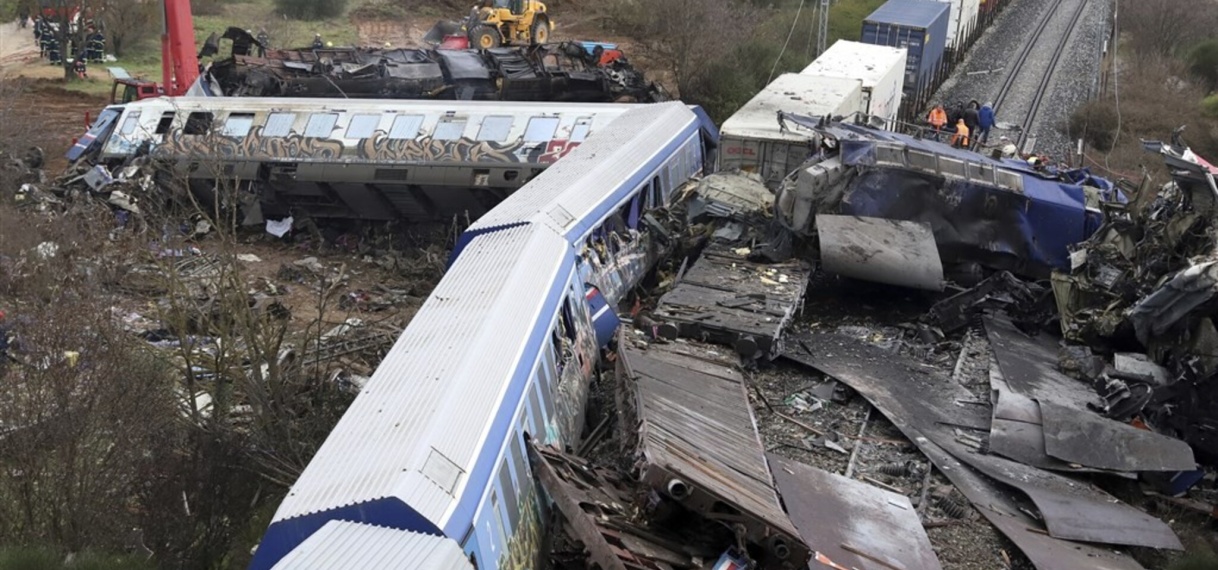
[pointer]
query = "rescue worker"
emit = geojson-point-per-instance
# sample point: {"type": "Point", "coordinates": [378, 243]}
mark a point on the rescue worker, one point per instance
{"type": "Point", "coordinates": [960, 139]}
{"type": "Point", "coordinates": [317, 43]}
{"type": "Point", "coordinates": [96, 51]}
{"type": "Point", "coordinates": [264, 41]}
{"type": "Point", "coordinates": [985, 122]}
{"type": "Point", "coordinates": [937, 119]}
{"type": "Point", "coordinates": [955, 113]}
{"type": "Point", "coordinates": [972, 116]}
{"type": "Point", "coordinates": [53, 51]}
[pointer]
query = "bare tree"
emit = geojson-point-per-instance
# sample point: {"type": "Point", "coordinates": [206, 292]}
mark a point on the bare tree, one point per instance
{"type": "Point", "coordinates": [1165, 27]}
{"type": "Point", "coordinates": [128, 22]}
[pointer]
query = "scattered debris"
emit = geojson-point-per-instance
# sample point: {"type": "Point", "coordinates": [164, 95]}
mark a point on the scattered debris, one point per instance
{"type": "Point", "coordinates": [726, 298]}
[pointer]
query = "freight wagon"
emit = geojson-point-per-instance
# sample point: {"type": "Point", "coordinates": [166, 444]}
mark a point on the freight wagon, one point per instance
{"type": "Point", "coordinates": [751, 140]}
{"type": "Point", "coordinates": [919, 26]}
{"type": "Point", "coordinates": [880, 68]}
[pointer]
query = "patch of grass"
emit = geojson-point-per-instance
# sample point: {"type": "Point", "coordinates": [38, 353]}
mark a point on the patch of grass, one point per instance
{"type": "Point", "coordinates": [1196, 560]}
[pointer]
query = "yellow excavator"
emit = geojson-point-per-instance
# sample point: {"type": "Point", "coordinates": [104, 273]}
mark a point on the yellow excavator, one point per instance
{"type": "Point", "coordinates": [494, 23]}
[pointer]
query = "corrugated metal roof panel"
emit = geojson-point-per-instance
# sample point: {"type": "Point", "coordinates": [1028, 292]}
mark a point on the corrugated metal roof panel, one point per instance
{"type": "Point", "coordinates": [340, 545]}
{"type": "Point", "coordinates": [587, 177]}
{"type": "Point", "coordinates": [792, 93]}
{"type": "Point", "coordinates": [912, 13]}
{"type": "Point", "coordinates": [455, 360]}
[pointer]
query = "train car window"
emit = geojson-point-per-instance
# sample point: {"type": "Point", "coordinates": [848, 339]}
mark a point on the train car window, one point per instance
{"type": "Point", "coordinates": [547, 400]}
{"type": "Point", "coordinates": [406, 127]}
{"type": "Point", "coordinates": [541, 129]}
{"type": "Point", "coordinates": [499, 542]}
{"type": "Point", "coordinates": [520, 462]}
{"type": "Point", "coordinates": [279, 125]}
{"type": "Point", "coordinates": [320, 125]}
{"type": "Point", "coordinates": [583, 126]}
{"type": "Point", "coordinates": [130, 123]}
{"type": "Point", "coordinates": [568, 322]}
{"type": "Point", "coordinates": [165, 123]}
{"type": "Point", "coordinates": [237, 125]}
{"type": "Point", "coordinates": [198, 123]}
{"type": "Point", "coordinates": [363, 126]}
{"type": "Point", "coordinates": [509, 494]}
{"type": "Point", "coordinates": [449, 130]}
{"type": "Point", "coordinates": [657, 193]}
{"type": "Point", "coordinates": [495, 129]}
{"type": "Point", "coordinates": [536, 419]}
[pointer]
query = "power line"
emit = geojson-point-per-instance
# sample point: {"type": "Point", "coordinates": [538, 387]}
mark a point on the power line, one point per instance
{"type": "Point", "coordinates": [784, 44]}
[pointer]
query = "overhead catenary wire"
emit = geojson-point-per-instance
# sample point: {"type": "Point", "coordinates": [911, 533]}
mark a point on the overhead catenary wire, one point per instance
{"type": "Point", "coordinates": [790, 33]}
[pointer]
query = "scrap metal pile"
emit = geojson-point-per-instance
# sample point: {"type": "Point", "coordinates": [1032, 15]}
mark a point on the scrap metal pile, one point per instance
{"type": "Point", "coordinates": [1071, 446]}
{"type": "Point", "coordinates": [566, 71]}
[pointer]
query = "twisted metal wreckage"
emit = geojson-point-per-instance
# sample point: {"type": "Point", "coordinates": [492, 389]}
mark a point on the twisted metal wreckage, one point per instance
{"type": "Point", "coordinates": [566, 71]}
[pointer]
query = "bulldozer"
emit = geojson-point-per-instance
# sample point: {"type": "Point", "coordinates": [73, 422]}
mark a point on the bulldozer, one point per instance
{"type": "Point", "coordinates": [495, 23]}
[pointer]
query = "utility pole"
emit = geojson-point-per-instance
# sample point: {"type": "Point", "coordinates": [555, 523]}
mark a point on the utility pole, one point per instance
{"type": "Point", "coordinates": [822, 30]}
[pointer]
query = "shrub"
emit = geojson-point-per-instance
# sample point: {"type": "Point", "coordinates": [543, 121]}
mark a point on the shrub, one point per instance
{"type": "Point", "coordinates": [311, 9]}
{"type": "Point", "coordinates": [1096, 123]}
{"type": "Point", "coordinates": [1209, 106]}
{"type": "Point", "coordinates": [1203, 63]}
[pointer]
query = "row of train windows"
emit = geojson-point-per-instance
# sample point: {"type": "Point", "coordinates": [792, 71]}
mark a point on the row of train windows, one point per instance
{"type": "Point", "coordinates": [495, 128]}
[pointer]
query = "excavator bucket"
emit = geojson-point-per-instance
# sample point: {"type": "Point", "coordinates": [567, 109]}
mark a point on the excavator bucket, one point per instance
{"type": "Point", "coordinates": [441, 31]}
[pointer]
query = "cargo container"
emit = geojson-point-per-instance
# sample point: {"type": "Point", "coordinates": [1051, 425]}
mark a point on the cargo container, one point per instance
{"type": "Point", "coordinates": [751, 140]}
{"type": "Point", "coordinates": [961, 20]}
{"type": "Point", "coordinates": [919, 26]}
{"type": "Point", "coordinates": [880, 68]}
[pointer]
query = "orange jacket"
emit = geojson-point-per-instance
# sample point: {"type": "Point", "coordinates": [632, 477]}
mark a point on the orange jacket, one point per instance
{"type": "Point", "coordinates": [938, 117]}
{"type": "Point", "coordinates": [960, 139]}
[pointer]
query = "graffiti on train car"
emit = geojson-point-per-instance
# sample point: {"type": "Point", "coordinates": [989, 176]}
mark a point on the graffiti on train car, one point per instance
{"type": "Point", "coordinates": [524, 547]}
{"type": "Point", "coordinates": [574, 381]}
{"type": "Point", "coordinates": [253, 145]}
{"type": "Point", "coordinates": [379, 147]}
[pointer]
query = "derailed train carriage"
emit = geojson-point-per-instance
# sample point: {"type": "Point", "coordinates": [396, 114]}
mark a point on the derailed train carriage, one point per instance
{"type": "Point", "coordinates": [416, 161]}
{"type": "Point", "coordinates": [430, 462]}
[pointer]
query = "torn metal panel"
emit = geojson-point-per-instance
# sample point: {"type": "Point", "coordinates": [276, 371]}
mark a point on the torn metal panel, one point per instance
{"type": "Point", "coordinates": [834, 513]}
{"type": "Point", "coordinates": [728, 299]}
{"type": "Point", "coordinates": [732, 195]}
{"type": "Point", "coordinates": [698, 443]}
{"type": "Point", "coordinates": [1029, 365]}
{"type": "Point", "coordinates": [596, 506]}
{"type": "Point", "coordinates": [1074, 433]}
{"type": "Point", "coordinates": [1091, 440]}
{"type": "Point", "coordinates": [883, 251]}
{"type": "Point", "coordinates": [1158, 312]}
{"type": "Point", "coordinates": [1009, 515]}
{"type": "Point", "coordinates": [998, 290]}
{"type": "Point", "coordinates": [923, 400]}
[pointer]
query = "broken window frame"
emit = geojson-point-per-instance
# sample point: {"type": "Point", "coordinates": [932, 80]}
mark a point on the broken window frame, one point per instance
{"type": "Point", "coordinates": [539, 125]}
{"type": "Point", "coordinates": [402, 125]}
{"type": "Point", "coordinates": [509, 491]}
{"type": "Point", "coordinates": [277, 126]}
{"type": "Point", "coordinates": [165, 123]}
{"type": "Point", "coordinates": [198, 123]}
{"type": "Point", "coordinates": [237, 125]}
{"type": "Point", "coordinates": [316, 127]}
{"type": "Point", "coordinates": [362, 126]}
{"type": "Point", "coordinates": [498, 132]}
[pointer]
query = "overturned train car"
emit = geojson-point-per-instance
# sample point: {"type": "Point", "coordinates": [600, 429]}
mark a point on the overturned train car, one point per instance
{"type": "Point", "coordinates": [430, 463]}
{"type": "Point", "coordinates": [416, 161]}
{"type": "Point", "coordinates": [971, 212]}
{"type": "Point", "coordinates": [562, 72]}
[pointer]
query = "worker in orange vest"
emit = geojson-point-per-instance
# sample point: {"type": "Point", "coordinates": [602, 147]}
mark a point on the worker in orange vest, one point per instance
{"type": "Point", "coordinates": [937, 119]}
{"type": "Point", "coordinates": [960, 139]}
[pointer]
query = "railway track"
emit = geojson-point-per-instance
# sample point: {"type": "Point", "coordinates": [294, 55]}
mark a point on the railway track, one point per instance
{"type": "Point", "coordinates": [1026, 140]}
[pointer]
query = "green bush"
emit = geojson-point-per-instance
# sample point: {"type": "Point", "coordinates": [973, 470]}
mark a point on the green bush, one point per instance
{"type": "Point", "coordinates": [1203, 63]}
{"type": "Point", "coordinates": [311, 9]}
{"type": "Point", "coordinates": [1209, 106]}
{"type": "Point", "coordinates": [47, 559]}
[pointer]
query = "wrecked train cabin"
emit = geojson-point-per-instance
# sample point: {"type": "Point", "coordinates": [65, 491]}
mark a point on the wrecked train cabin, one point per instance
{"type": "Point", "coordinates": [969, 211]}
{"type": "Point", "coordinates": [560, 72]}
{"type": "Point", "coordinates": [416, 161]}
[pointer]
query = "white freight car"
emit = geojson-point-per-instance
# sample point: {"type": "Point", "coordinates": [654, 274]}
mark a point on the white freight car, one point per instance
{"type": "Point", "coordinates": [751, 139]}
{"type": "Point", "coordinates": [880, 68]}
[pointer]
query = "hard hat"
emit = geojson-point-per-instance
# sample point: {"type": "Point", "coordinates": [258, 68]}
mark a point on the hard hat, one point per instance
{"type": "Point", "coordinates": [1032, 160]}
{"type": "Point", "coordinates": [387, 44]}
